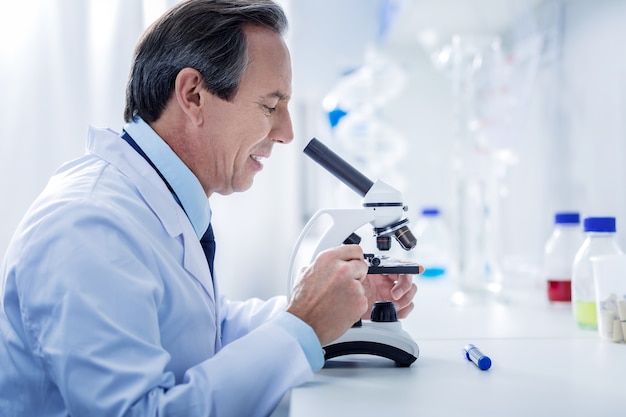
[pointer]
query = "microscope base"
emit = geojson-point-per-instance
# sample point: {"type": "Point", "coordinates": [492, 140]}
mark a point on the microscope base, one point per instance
{"type": "Point", "coordinates": [387, 340]}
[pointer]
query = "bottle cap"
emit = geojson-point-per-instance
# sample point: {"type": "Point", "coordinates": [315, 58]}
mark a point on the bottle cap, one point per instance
{"type": "Point", "coordinates": [567, 218]}
{"type": "Point", "coordinates": [599, 224]}
{"type": "Point", "coordinates": [430, 211]}
{"type": "Point", "coordinates": [484, 363]}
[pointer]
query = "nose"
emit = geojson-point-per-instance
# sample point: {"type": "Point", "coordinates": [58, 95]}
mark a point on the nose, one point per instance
{"type": "Point", "coordinates": [282, 131]}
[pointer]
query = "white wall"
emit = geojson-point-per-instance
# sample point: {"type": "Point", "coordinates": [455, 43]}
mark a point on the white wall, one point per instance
{"type": "Point", "coordinates": [594, 97]}
{"type": "Point", "coordinates": [572, 145]}
{"type": "Point", "coordinates": [576, 127]}
{"type": "Point", "coordinates": [568, 131]}
{"type": "Point", "coordinates": [63, 66]}
{"type": "Point", "coordinates": [571, 141]}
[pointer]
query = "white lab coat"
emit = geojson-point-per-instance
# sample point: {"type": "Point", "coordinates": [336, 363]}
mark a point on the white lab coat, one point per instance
{"type": "Point", "coordinates": [108, 307]}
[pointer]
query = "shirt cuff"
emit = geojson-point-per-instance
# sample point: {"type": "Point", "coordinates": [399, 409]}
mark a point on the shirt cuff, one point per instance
{"type": "Point", "coordinates": [306, 337]}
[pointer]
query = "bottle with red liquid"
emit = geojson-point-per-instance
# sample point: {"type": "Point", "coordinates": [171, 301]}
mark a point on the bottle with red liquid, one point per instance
{"type": "Point", "coordinates": [559, 253]}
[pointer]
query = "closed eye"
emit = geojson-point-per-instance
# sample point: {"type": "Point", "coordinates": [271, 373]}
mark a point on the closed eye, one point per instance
{"type": "Point", "coordinates": [268, 110]}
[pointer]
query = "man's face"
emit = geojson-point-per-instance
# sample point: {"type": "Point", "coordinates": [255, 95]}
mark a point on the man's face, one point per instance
{"type": "Point", "coordinates": [239, 134]}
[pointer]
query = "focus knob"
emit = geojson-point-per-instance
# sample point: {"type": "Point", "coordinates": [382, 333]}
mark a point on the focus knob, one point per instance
{"type": "Point", "coordinates": [383, 311]}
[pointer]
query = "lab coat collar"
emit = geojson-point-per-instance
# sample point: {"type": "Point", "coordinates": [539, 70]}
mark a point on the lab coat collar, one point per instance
{"type": "Point", "coordinates": [106, 144]}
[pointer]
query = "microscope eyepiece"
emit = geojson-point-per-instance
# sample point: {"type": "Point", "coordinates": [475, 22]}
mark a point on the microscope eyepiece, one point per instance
{"type": "Point", "coordinates": [334, 164]}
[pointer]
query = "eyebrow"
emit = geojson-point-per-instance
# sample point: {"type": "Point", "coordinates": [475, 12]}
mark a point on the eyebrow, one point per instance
{"type": "Point", "coordinates": [278, 94]}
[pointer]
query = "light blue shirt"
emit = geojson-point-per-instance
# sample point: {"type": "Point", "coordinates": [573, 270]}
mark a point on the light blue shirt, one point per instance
{"type": "Point", "coordinates": [194, 201]}
{"type": "Point", "coordinates": [185, 184]}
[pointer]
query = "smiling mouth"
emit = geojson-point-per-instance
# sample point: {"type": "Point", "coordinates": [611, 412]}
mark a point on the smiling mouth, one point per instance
{"type": "Point", "coordinates": [258, 159]}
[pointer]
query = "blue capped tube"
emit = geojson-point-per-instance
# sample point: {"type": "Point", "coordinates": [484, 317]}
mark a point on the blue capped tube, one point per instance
{"type": "Point", "coordinates": [472, 353]}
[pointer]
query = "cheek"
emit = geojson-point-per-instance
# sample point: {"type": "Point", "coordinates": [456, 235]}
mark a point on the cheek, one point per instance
{"type": "Point", "coordinates": [238, 140]}
{"type": "Point", "coordinates": [242, 164]}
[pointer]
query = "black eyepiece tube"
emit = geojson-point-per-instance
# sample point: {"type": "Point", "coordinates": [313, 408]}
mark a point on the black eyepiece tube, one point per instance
{"type": "Point", "coordinates": [333, 163]}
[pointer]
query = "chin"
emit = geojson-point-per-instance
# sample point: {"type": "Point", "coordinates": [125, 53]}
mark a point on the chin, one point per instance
{"type": "Point", "coordinates": [239, 188]}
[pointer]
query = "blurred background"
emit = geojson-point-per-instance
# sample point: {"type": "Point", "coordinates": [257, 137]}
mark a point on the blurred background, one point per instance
{"type": "Point", "coordinates": [497, 112]}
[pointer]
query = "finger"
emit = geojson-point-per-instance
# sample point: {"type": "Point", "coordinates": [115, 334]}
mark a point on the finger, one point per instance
{"type": "Point", "coordinates": [403, 284]}
{"type": "Point", "coordinates": [351, 252]}
{"type": "Point", "coordinates": [361, 289]}
{"type": "Point", "coordinates": [360, 269]}
{"type": "Point", "coordinates": [407, 298]}
{"type": "Point", "coordinates": [405, 311]}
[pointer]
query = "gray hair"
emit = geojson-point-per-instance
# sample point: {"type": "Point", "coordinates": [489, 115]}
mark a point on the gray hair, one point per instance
{"type": "Point", "coordinates": [206, 35]}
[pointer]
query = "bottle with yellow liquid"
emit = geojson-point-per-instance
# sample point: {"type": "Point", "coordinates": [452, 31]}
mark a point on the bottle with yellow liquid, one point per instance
{"type": "Point", "coordinates": [599, 240]}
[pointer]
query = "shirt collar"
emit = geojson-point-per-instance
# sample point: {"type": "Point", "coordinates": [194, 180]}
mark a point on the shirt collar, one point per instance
{"type": "Point", "coordinates": [186, 186]}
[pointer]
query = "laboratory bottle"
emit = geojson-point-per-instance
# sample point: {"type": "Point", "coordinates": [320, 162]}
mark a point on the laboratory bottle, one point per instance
{"type": "Point", "coordinates": [600, 239]}
{"type": "Point", "coordinates": [559, 252]}
{"type": "Point", "coordinates": [433, 243]}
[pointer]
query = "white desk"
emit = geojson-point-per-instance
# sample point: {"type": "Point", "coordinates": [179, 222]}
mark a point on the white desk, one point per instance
{"type": "Point", "coordinates": [543, 365]}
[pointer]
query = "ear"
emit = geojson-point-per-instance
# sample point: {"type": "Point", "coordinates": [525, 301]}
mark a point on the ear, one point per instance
{"type": "Point", "coordinates": [187, 88]}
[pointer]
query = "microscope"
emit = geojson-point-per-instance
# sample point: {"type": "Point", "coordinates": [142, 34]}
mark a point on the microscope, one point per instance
{"type": "Point", "coordinates": [382, 335]}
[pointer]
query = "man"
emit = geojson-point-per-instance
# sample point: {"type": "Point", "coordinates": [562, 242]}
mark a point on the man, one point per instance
{"type": "Point", "coordinates": [108, 305]}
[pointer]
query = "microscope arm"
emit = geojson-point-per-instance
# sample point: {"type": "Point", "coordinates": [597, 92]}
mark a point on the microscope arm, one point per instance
{"type": "Point", "coordinates": [344, 222]}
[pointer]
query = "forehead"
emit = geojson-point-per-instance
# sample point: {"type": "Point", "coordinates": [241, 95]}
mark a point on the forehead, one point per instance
{"type": "Point", "coordinates": [269, 63]}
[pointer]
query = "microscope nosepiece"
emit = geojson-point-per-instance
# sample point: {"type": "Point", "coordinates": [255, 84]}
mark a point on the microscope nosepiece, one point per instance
{"type": "Point", "coordinates": [400, 231]}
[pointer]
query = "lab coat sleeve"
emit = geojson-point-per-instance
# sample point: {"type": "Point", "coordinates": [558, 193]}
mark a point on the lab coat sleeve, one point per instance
{"type": "Point", "coordinates": [249, 377]}
{"type": "Point", "coordinates": [241, 317]}
{"type": "Point", "coordinates": [90, 306]}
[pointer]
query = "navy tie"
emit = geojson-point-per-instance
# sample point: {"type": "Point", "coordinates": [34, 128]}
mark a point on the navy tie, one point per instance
{"type": "Point", "coordinates": [208, 245]}
{"type": "Point", "coordinates": [208, 240]}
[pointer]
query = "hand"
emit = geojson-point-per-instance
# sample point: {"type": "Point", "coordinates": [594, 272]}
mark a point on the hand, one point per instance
{"type": "Point", "coordinates": [329, 295]}
{"type": "Point", "coordinates": [398, 288]}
